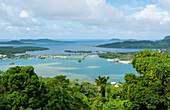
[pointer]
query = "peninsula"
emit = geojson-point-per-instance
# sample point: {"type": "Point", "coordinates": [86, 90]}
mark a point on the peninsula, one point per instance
{"type": "Point", "coordinates": [9, 51]}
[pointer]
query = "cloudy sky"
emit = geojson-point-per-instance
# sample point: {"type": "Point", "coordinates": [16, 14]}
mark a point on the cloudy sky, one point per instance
{"type": "Point", "coordinates": [84, 19]}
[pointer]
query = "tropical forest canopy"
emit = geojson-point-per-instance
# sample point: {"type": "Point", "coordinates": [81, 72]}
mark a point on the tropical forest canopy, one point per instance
{"type": "Point", "coordinates": [21, 88]}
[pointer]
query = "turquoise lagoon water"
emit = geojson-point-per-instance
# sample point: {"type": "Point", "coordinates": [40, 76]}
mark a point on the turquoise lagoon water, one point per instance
{"type": "Point", "coordinates": [75, 56]}
{"type": "Point", "coordinates": [87, 70]}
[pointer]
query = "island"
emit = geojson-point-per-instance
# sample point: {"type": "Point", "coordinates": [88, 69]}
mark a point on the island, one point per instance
{"type": "Point", "coordinates": [115, 39]}
{"type": "Point", "coordinates": [9, 51]}
{"type": "Point", "coordinates": [120, 40]}
{"type": "Point", "coordinates": [14, 42]}
{"type": "Point", "coordinates": [161, 44]}
{"type": "Point", "coordinates": [33, 41]}
{"type": "Point", "coordinates": [43, 41]}
{"type": "Point", "coordinates": [80, 51]}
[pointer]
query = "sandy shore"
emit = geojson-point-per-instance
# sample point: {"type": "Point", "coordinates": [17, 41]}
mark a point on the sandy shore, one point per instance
{"type": "Point", "coordinates": [92, 67]}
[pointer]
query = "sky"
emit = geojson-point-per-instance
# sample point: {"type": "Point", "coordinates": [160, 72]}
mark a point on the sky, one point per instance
{"type": "Point", "coordinates": [84, 19]}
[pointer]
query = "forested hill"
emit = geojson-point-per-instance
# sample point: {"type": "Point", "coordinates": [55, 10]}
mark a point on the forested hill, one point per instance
{"type": "Point", "coordinates": [167, 37]}
{"type": "Point", "coordinates": [43, 41]}
{"type": "Point", "coordinates": [162, 44]}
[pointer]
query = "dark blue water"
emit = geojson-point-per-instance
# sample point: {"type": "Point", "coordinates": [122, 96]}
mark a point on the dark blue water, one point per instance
{"type": "Point", "coordinates": [87, 45]}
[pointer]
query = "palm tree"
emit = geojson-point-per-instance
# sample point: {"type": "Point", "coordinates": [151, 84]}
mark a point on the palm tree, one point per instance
{"type": "Point", "coordinates": [102, 82]}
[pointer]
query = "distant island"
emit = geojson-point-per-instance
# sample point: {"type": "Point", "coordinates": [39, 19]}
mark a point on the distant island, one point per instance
{"type": "Point", "coordinates": [115, 39]}
{"type": "Point", "coordinates": [9, 51]}
{"type": "Point", "coordinates": [14, 42]}
{"type": "Point", "coordinates": [43, 41]}
{"type": "Point", "coordinates": [161, 44]}
{"type": "Point", "coordinates": [121, 40]}
{"type": "Point", "coordinates": [34, 41]}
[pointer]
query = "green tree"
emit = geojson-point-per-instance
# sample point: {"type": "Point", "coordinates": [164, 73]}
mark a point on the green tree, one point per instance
{"type": "Point", "coordinates": [88, 89]}
{"type": "Point", "coordinates": [102, 82]}
{"type": "Point", "coordinates": [149, 90]}
{"type": "Point", "coordinates": [63, 96]}
{"type": "Point", "coordinates": [3, 101]}
{"type": "Point", "coordinates": [21, 87]}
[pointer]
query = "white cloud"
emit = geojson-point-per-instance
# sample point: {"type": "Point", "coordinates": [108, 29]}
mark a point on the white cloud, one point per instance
{"type": "Point", "coordinates": [28, 29]}
{"type": "Point", "coordinates": [86, 11]}
{"type": "Point", "coordinates": [71, 18]}
{"type": "Point", "coordinates": [166, 3]}
{"type": "Point", "coordinates": [153, 14]}
{"type": "Point", "coordinates": [9, 15]}
{"type": "Point", "coordinates": [24, 14]}
{"type": "Point", "coordinates": [6, 12]}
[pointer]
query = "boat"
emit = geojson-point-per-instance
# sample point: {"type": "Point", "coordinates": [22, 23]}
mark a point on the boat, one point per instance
{"type": "Point", "coordinates": [117, 61]}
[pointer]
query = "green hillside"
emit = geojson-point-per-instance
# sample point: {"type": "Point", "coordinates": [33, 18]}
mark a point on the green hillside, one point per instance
{"type": "Point", "coordinates": [167, 37]}
{"type": "Point", "coordinates": [162, 44]}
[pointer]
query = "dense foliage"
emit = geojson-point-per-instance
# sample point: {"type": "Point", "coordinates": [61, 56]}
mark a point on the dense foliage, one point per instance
{"type": "Point", "coordinates": [21, 88]}
{"type": "Point", "coordinates": [151, 89]}
{"type": "Point", "coordinates": [12, 50]}
{"type": "Point", "coordinates": [162, 44]}
{"type": "Point", "coordinates": [166, 52]}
